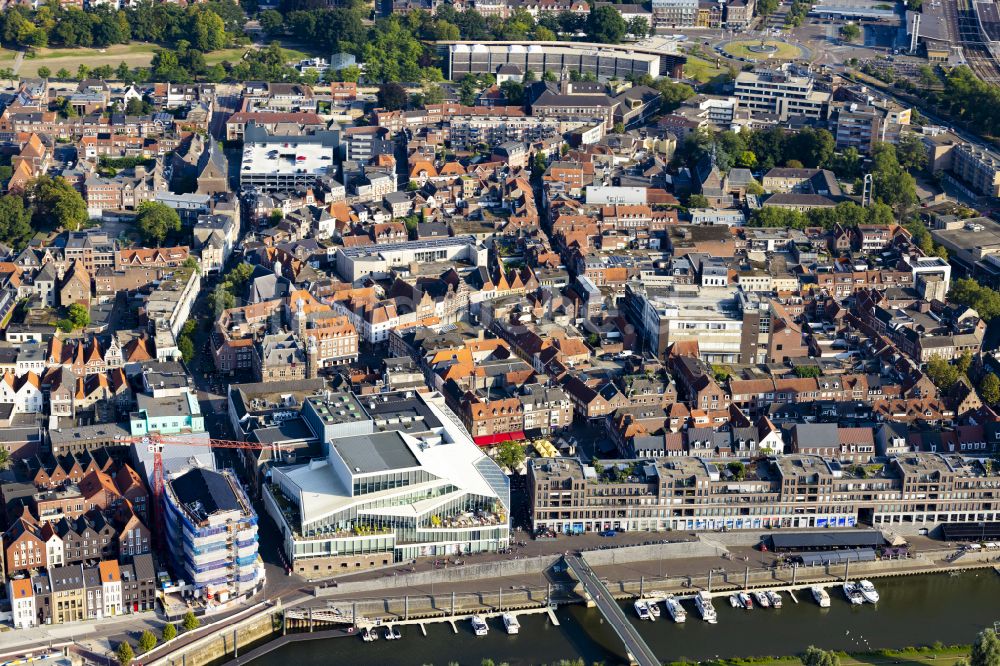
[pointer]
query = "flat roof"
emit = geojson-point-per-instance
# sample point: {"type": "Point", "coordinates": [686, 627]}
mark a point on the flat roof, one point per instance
{"type": "Point", "coordinates": [426, 244]}
{"type": "Point", "coordinates": [827, 540]}
{"type": "Point", "coordinates": [290, 157]}
{"type": "Point", "coordinates": [378, 452]}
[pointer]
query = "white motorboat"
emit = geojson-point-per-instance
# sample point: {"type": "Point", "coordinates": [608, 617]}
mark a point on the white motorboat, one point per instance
{"type": "Point", "coordinates": [654, 608]}
{"type": "Point", "coordinates": [510, 623]}
{"type": "Point", "coordinates": [389, 636]}
{"type": "Point", "coordinates": [369, 635]}
{"type": "Point", "coordinates": [479, 625]}
{"type": "Point", "coordinates": [395, 633]}
{"type": "Point", "coordinates": [762, 599]}
{"type": "Point", "coordinates": [853, 594]}
{"type": "Point", "coordinates": [746, 601]}
{"type": "Point", "coordinates": [703, 603]}
{"type": "Point", "coordinates": [868, 591]}
{"type": "Point", "coordinates": [774, 598]}
{"type": "Point", "coordinates": [642, 610]}
{"type": "Point", "coordinates": [675, 609]}
{"type": "Point", "coordinates": [821, 596]}
{"type": "Point", "coordinates": [734, 601]}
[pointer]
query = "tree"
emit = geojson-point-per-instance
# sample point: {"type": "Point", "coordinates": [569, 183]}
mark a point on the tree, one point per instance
{"type": "Point", "coordinates": [989, 388]}
{"type": "Point", "coordinates": [147, 641]}
{"type": "Point", "coordinates": [814, 656]}
{"type": "Point", "coordinates": [807, 371]}
{"type": "Point", "coordinates": [78, 315]}
{"type": "Point", "coordinates": [509, 454]}
{"type": "Point", "coordinates": [513, 91]}
{"type": "Point", "coordinates": [964, 362]}
{"type": "Point", "coordinates": [190, 622]}
{"type": "Point", "coordinates": [125, 653]}
{"type": "Point", "coordinates": [57, 204]}
{"type": "Point", "coordinates": [186, 347]}
{"type": "Point", "coordinates": [63, 73]}
{"type": "Point", "coordinates": [156, 220]}
{"type": "Point", "coordinates": [910, 152]}
{"type": "Point", "coordinates": [982, 299]}
{"type": "Point", "coordinates": [850, 32]}
{"type": "Point", "coordinates": [15, 220]}
{"type": "Point", "coordinates": [391, 96]}
{"type": "Point", "coordinates": [943, 374]}
{"type": "Point", "coordinates": [44, 72]}
{"type": "Point", "coordinates": [697, 201]}
{"type": "Point", "coordinates": [169, 631]}
{"type": "Point", "coordinates": [891, 184]}
{"type": "Point", "coordinates": [738, 470]}
{"type": "Point", "coordinates": [986, 649]}
{"type": "Point", "coordinates": [272, 22]}
{"type": "Point", "coordinates": [605, 25]}
{"type": "Point", "coordinates": [638, 26]}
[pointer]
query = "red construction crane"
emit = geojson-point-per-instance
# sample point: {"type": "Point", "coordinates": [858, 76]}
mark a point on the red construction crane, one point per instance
{"type": "Point", "coordinates": [155, 442]}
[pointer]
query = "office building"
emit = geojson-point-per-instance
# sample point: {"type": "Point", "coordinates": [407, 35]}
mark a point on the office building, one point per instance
{"type": "Point", "coordinates": [781, 93]}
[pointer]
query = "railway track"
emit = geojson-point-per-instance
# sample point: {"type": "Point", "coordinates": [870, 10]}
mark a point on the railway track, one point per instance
{"type": "Point", "coordinates": [972, 42]}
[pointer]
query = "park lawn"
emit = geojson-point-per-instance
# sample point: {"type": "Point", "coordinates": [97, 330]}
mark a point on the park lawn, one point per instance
{"type": "Point", "coordinates": [702, 70]}
{"type": "Point", "coordinates": [943, 657]}
{"type": "Point", "coordinates": [785, 51]}
{"type": "Point", "coordinates": [136, 54]}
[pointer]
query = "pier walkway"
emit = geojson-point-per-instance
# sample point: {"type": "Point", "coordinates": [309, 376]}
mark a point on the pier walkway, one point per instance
{"type": "Point", "coordinates": [636, 647]}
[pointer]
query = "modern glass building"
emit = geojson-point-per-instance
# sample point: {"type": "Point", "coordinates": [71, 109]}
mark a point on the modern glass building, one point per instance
{"type": "Point", "coordinates": [416, 487]}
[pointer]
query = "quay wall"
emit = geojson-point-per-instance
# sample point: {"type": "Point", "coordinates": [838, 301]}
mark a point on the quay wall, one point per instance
{"type": "Point", "coordinates": [651, 552]}
{"type": "Point", "coordinates": [456, 574]}
{"type": "Point", "coordinates": [221, 643]}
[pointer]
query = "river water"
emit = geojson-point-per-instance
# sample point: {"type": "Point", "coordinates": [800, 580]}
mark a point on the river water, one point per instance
{"type": "Point", "coordinates": [914, 610]}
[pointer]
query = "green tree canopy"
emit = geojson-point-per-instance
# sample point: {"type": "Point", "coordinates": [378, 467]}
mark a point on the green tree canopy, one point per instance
{"type": "Point", "coordinates": [125, 653]}
{"type": "Point", "coordinates": [78, 315]}
{"type": "Point", "coordinates": [156, 221]}
{"type": "Point", "coordinates": [509, 454]}
{"type": "Point", "coordinates": [981, 298]}
{"type": "Point", "coordinates": [814, 656]}
{"type": "Point", "coordinates": [986, 649]}
{"type": "Point", "coordinates": [942, 373]}
{"type": "Point", "coordinates": [190, 622]}
{"type": "Point", "coordinates": [169, 631]}
{"type": "Point", "coordinates": [147, 641]}
{"type": "Point", "coordinates": [57, 204]}
{"type": "Point", "coordinates": [606, 25]}
{"type": "Point", "coordinates": [989, 388]}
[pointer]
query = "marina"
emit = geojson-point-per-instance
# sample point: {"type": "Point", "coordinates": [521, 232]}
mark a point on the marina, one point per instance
{"type": "Point", "coordinates": [897, 621]}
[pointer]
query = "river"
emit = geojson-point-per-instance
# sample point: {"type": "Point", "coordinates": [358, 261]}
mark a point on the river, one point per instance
{"type": "Point", "coordinates": [914, 610]}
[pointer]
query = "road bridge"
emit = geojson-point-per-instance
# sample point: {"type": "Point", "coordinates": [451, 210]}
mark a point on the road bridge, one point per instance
{"type": "Point", "coordinates": [638, 651]}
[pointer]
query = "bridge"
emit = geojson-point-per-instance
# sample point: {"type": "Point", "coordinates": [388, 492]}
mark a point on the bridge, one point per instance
{"type": "Point", "coordinates": [638, 651]}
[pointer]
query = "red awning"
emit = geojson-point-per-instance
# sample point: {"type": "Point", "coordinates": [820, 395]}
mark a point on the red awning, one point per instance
{"type": "Point", "coordinates": [490, 440]}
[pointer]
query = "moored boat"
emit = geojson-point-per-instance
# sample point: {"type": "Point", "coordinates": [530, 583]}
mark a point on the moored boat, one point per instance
{"type": "Point", "coordinates": [642, 610]}
{"type": "Point", "coordinates": [654, 608]}
{"type": "Point", "coordinates": [734, 600]}
{"type": "Point", "coordinates": [510, 623]}
{"type": "Point", "coordinates": [703, 603]}
{"type": "Point", "coordinates": [821, 596]}
{"type": "Point", "coordinates": [479, 625]}
{"type": "Point", "coordinates": [675, 609]}
{"type": "Point", "coordinates": [746, 601]}
{"type": "Point", "coordinates": [868, 591]}
{"type": "Point", "coordinates": [853, 594]}
{"type": "Point", "coordinates": [774, 598]}
{"type": "Point", "coordinates": [760, 596]}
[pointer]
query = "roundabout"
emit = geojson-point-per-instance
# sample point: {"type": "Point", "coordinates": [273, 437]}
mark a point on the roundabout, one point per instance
{"type": "Point", "coordinates": [761, 49]}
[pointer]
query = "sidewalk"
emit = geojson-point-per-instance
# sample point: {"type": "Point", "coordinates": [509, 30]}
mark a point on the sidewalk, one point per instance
{"type": "Point", "coordinates": [19, 639]}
